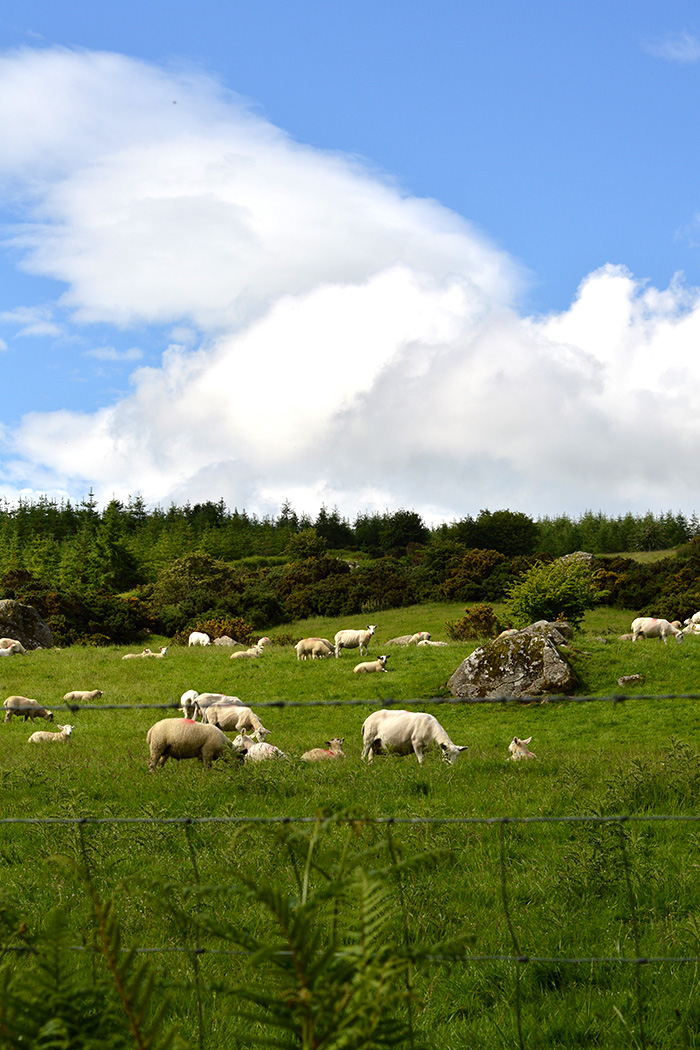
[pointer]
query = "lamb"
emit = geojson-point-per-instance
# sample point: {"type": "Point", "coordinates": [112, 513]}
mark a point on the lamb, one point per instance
{"type": "Point", "coordinates": [256, 752]}
{"type": "Point", "coordinates": [694, 619]}
{"type": "Point", "coordinates": [316, 648]}
{"type": "Point", "coordinates": [179, 738]}
{"type": "Point", "coordinates": [199, 638]}
{"type": "Point", "coordinates": [22, 705]}
{"type": "Point", "coordinates": [235, 717]}
{"type": "Point", "coordinates": [83, 694]}
{"type": "Point", "coordinates": [253, 652]}
{"type": "Point", "coordinates": [333, 749]}
{"type": "Point", "coordinates": [650, 627]}
{"type": "Point", "coordinates": [519, 749]}
{"type": "Point", "coordinates": [405, 733]}
{"type": "Point", "coordinates": [352, 639]}
{"type": "Point", "coordinates": [204, 700]}
{"type": "Point", "coordinates": [42, 736]}
{"type": "Point", "coordinates": [371, 666]}
{"type": "Point", "coordinates": [426, 641]}
{"type": "Point", "coordinates": [137, 656]}
{"type": "Point", "coordinates": [13, 645]}
{"type": "Point", "coordinates": [410, 639]}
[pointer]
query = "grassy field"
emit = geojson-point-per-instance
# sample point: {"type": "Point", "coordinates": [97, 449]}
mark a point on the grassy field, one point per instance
{"type": "Point", "coordinates": [474, 886]}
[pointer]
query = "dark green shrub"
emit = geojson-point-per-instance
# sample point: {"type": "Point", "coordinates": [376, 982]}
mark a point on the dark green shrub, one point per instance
{"type": "Point", "coordinates": [480, 622]}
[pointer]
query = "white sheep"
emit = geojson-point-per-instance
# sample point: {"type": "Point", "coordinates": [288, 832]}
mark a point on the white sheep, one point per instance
{"type": "Point", "coordinates": [264, 641]}
{"type": "Point", "coordinates": [371, 666]}
{"type": "Point", "coordinates": [13, 645]}
{"type": "Point", "coordinates": [204, 700]}
{"type": "Point", "coordinates": [405, 733]}
{"type": "Point", "coordinates": [332, 750]}
{"type": "Point", "coordinates": [694, 619]}
{"type": "Point", "coordinates": [163, 651]}
{"type": "Point", "coordinates": [42, 736]}
{"type": "Point", "coordinates": [519, 749]}
{"type": "Point", "coordinates": [316, 648]}
{"type": "Point", "coordinates": [426, 641]}
{"type": "Point", "coordinates": [348, 639]}
{"type": "Point", "coordinates": [179, 738]}
{"type": "Point", "coordinates": [199, 638]}
{"type": "Point", "coordinates": [137, 656]}
{"type": "Point", "coordinates": [83, 694]}
{"type": "Point", "coordinates": [7, 652]}
{"type": "Point", "coordinates": [650, 627]}
{"type": "Point", "coordinates": [256, 752]}
{"type": "Point", "coordinates": [237, 718]}
{"type": "Point", "coordinates": [187, 704]}
{"type": "Point", "coordinates": [22, 705]}
{"type": "Point", "coordinates": [253, 652]}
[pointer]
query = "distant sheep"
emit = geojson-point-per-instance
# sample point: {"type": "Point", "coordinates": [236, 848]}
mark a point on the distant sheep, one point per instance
{"type": "Point", "coordinates": [179, 738]}
{"type": "Point", "coordinates": [332, 750]}
{"type": "Point", "coordinates": [145, 653]}
{"type": "Point", "coordinates": [83, 694]}
{"type": "Point", "coordinates": [426, 641]}
{"type": "Point", "coordinates": [409, 639]}
{"type": "Point", "coordinates": [199, 638]}
{"type": "Point", "coordinates": [371, 666]}
{"type": "Point", "coordinates": [353, 639]}
{"type": "Point", "coordinates": [519, 749]}
{"type": "Point", "coordinates": [316, 648]}
{"type": "Point", "coordinates": [650, 627]}
{"type": "Point", "coordinates": [42, 736]}
{"type": "Point", "coordinates": [256, 752]}
{"type": "Point", "coordinates": [252, 653]}
{"type": "Point", "coordinates": [13, 645]}
{"type": "Point", "coordinates": [234, 717]}
{"type": "Point", "coordinates": [22, 705]}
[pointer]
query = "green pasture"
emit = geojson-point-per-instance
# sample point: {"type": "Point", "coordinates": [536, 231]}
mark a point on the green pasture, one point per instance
{"type": "Point", "coordinates": [470, 891]}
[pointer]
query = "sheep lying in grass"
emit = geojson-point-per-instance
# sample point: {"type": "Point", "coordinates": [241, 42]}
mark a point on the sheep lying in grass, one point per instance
{"type": "Point", "coordinates": [13, 645]}
{"type": "Point", "coordinates": [371, 666]}
{"type": "Point", "coordinates": [253, 652]}
{"type": "Point", "coordinates": [42, 736]}
{"type": "Point", "coordinates": [145, 653]}
{"type": "Point", "coordinates": [410, 639]}
{"type": "Point", "coordinates": [333, 749]}
{"type": "Point", "coordinates": [83, 694]}
{"type": "Point", "coordinates": [519, 749]}
{"type": "Point", "coordinates": [22, 705]}
{"type": "Point", "coordinates": [255, 752]}
{"type": "Point", "coordinates": [426, 641]}
{"type": "Point", "coordinates": [179, 738]}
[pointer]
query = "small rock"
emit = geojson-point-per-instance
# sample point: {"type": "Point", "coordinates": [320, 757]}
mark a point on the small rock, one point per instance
{"type": "Point", "coordinates": [630, 679]}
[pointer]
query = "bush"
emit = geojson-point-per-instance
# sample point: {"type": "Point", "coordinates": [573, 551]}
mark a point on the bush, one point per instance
{"type": "Point", "coordinates": [480, 622]}
{"type": "Point", "coordinates": [558, 591]}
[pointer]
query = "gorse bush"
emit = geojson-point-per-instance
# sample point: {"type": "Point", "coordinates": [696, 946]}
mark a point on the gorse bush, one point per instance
{"type": "Point", "coordinates": [562, 590]}
{"type": "Point", "coordinates": [480, 622]}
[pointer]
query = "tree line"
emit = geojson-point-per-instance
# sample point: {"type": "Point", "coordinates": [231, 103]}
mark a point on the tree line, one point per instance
{"type": "Point", "coordinates": [107, 574]}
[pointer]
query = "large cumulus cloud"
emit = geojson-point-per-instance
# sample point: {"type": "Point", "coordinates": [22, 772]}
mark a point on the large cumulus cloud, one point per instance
{"type": "Point", "coordinates": [352, 344]}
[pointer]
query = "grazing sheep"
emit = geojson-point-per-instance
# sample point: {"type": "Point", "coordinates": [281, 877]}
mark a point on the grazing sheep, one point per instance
{"type": "Point", "coordinates": [13, 645]}
{"type": "Point", "coordinates": [405, 733]}
{"type": "Point", "coordinates": [256, 752]}
{"type": "Point", "coordinates": [179, 738]}
{"type": "Point", "coordinates": [42, 736]}
{"type": "Point", "coordinates": [371, 666]}
{"type": "Point", "coordinates": [352, 639]}
{"type": "Point", "coordinates": [333, 749]}
{"type": "Point", "coordinates": [650, 627]}
{"type": "Point", "coordinates": [235, 717]}
{"type": "Point", "coordinates": [253, 652]}
{"type": "Point", "coordinates": [83, 694]}
{"type": "Point", "coordinates": [519, 749]}
{"type": "Point", "coordinates": [204, 700]}
{"type": "Point", "coordinates": [22, 705]}
{"type": "Point", "coordinates": [199, 638]}
{"type": "Point", "coordinates": [316, 648]}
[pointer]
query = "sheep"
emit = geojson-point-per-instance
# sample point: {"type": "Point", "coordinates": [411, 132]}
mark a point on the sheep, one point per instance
{"type": "Point", "coordinates": [83, 694]}
{"type": "Point", "coordinates": [180, 738]}
{"type": "Point", "coordinates": [352, 639]}
{"type": "Point", "coordinates": [256, 752]}
{"type": "Point", "coordinates": [694, 619]}
{"type": "Point", "coordinates": [13, 645]}
{"type": "Point", "coordinates": [22, 705]}
{"type": "Point", "coordinates": [199, 638]}
{"type": "Point", "coordinates": [7, 652]}
{"type": "Point", "coordinates": [426, 641]}
{"type": "Point", "coordinates": [137, 656]}
{"type": "Point", "coordinates": [235, 717]}
{"type": "Point", "coordinates": [163, 651]}
{"type": "Point", "coordinates": [650, 627]}
{"type": "Point", "coordinates": [519, 749]}
{"type": "Point", "coordinates": [187, 703]}
{"type": "Point", "coordinates": [333, 749]}
{"type": "Point", "coordinates": [405, 733]}
{"type": "Point", "coordinates": [371, 666]}
{"type": "Point", "coordinates": [204, 700]}
{"type": "Point", "coordinates": [264, 641]}
{"type": "Point", "coordinates": [316, 648]}
{"type": "Point", "coordinates": [42, 736]}
{"type": "Point", "coordinates": [254, 651]}
{"type": "Point", "coordinates": [410, 639]}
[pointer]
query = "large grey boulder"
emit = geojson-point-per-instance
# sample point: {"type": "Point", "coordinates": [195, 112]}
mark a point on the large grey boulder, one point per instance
{"type": "Point", "coordinates": [526, 663]}
{"type": "Point", "coordinates": [24, 623]}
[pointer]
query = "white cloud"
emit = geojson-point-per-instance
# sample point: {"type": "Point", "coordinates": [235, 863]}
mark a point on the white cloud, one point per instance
{"type": "Point", "coordinates": [334, 340]}
{"type": "Point", "coordinates": [110, 353]}
{"type": "Point", "coordinates": [681, 47]}
{"type": "Point", "coordinates": [32, 321]}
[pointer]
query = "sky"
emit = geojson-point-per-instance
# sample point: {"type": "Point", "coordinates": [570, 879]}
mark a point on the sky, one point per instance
{"type": "Point", "coordinates": [364, 256]}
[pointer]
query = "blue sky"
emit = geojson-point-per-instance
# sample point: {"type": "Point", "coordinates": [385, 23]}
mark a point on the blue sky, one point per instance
{"type": "Point", "coordinates": [438, 256]}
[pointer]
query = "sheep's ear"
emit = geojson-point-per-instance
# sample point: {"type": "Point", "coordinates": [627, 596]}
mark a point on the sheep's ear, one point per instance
{"type": "Point", "coordinates": [526, 741]}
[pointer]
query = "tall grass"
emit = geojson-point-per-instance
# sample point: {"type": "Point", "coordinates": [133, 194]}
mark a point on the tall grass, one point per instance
{"type": "Point", "coordinates": [591, 889]}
